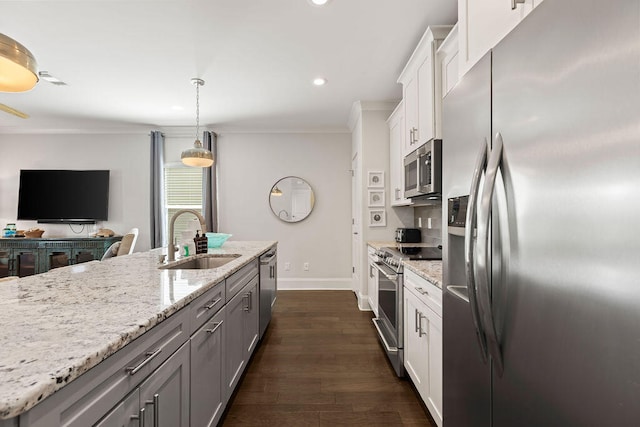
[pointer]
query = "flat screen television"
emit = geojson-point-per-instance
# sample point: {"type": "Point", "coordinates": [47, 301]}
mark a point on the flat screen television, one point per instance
{"type": "Point", "coordinates": [64, 196]}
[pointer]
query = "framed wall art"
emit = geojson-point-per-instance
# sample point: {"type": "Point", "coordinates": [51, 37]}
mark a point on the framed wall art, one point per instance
{"type": "Point", "coordinates": [377, 218]}
{"type": "Point", "coordinates": [375, 179]}
{"type": "Point", "coordinates": [376, 198]}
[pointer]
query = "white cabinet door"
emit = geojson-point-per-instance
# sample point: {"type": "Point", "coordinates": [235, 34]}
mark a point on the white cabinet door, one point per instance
{"type": "Point", "coordinates": [447, 61]}
{"type": "Point", "coordinates": [432, 323]}
{"type": "Point", "coordinates": [396, 159]}
{"type": "Point", "coordinates": [416, 350]}
{"type": "Point", "coordinates": [426, 98]}
{"type": "Point", "coordinates": [411, 115]}
{"type": "Point", "coordinates": [373, 287]}
{"type": "Point", "coordinates": [483, 23]}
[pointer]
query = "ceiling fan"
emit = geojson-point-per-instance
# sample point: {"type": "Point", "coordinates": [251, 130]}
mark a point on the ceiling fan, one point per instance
{"type": "Point", "coordinates": [44, 75]}
{"type": "Point", "coordinates": [10, 110]}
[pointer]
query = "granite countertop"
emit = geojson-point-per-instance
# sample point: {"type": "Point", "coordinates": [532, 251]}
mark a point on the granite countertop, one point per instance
{"type": "Point", "coordinates": [59, 324]}
{"type": "Point", "coordinates": [429, 270]}
{"type": "Point", "coordinates": [379, 245]}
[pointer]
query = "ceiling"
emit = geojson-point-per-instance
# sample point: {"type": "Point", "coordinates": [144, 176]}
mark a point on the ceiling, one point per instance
{"type": "Point", "coordinates": [128, 64]}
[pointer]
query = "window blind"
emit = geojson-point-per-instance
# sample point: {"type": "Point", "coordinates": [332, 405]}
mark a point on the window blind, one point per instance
{"type": "Point", "coordinates": [183, 190]}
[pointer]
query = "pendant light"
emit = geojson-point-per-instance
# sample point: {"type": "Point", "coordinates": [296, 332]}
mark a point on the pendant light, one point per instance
{"type": "Point", "coordinates": [276, 191]}
{"type": "Point", "coordinates": [18, 67]}
{"type": "Point", "coordinates": [197, 156]}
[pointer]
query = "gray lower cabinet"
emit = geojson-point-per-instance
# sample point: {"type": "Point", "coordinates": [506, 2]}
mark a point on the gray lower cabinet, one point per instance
{"type": "Point", "coordinates": [165, 394]}
{"type": "Point", "coordinates": [242, 333]}
{"type": "Point", "coordinates": [126, 414]}
{"type": "Point", "coordinates": [180, 373]}
{"type": "Point", "coordinates": [207, 379]}
{"type": "Point", "coordinates": [161, 400]}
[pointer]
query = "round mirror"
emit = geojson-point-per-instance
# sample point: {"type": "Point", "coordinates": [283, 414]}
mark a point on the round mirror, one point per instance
{"type": "Point", "coordinates": [291, 199]}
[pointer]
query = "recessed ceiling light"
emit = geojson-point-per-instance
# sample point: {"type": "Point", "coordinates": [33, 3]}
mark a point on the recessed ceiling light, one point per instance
{"type": "Point", "coordinates": [319, 81]}
{"type": "Point", "coordinates": [319, 2]}
{"type": "Point", "coordinates": [177, 107]}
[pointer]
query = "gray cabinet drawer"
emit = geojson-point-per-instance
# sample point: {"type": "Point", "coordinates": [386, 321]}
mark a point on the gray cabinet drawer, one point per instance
{"type": "Point", "coordinates": [88, 398]}
{"type": "Point", "coordinates": [207, 304]}
{"type": "Point", "coordinates": [241, 278]}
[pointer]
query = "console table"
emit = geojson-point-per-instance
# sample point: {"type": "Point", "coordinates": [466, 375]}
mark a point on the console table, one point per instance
{"type": "Point", "coordinates": [24, 257]}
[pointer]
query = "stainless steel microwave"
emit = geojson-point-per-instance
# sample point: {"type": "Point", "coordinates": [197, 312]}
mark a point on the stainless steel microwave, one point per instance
{"type": "Point", "coordinates": [423, 170]}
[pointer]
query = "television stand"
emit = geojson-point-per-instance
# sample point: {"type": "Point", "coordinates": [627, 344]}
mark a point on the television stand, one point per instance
{"type": "Point", "coordinates": [25, 256]}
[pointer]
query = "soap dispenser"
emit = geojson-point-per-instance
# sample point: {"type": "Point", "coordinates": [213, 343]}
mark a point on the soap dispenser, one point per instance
{"type": "Point", "coordinates": [201, 243]}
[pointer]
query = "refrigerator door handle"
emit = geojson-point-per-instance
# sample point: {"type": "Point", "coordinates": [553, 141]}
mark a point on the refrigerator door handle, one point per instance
{"type": "Point", "coordinates": [484, 218]}
{"type": "Point", "coordinates": [470, 244]}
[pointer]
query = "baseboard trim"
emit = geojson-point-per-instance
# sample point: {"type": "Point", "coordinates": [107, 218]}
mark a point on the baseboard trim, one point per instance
{"type": "Point", "coordinates": [363, 302]}
{"type": "Point", "coordinates": [329, 284]}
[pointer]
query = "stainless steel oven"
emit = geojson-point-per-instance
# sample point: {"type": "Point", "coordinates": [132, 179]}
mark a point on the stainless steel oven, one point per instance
{"type": "Point", "coordinates": [390, 299]}
{"type": "Point", "coordinates": [423, 170]}
{"type": "Point", "coordinates": [389, 322]}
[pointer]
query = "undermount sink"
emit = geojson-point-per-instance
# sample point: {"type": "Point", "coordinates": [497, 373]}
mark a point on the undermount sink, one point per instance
{"type": "Point", "coordinates": [201, 263]}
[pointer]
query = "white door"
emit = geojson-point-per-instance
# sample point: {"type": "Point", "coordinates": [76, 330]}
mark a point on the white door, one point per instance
{"type": "Point", "coordinates": [355, 225]}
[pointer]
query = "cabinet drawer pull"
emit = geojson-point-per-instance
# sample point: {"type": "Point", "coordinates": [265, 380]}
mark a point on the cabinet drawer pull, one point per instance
{"type": "Point", "coordinates": [514, 3]}
{"type": "Point", "coordinates": [210, 306]}
{"type": "Point", "coordinates": [215, 327]}
{"type": "Point", "coordinates": [415, 320]}
{"type": "Point", "coordinates": [139, 417]}
{"type": "Point", "coordinates": [150, 356]}
{"type": "Point", "coordinates": [421, 332]}
{"type": "Point", "coordinates": [422, 291]}
{"type": "Point", "coordinates": [156, 410]}
{"type": "Point", "coordinates": [248, 298]}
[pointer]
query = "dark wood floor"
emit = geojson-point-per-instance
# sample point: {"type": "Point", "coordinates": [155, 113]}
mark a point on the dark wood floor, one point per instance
{"type": "Point", "coordinates": [320, 364]}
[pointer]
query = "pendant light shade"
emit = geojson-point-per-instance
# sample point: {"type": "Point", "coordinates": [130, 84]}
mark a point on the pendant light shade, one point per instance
{"type": "Point", "coordinates": [197, 156]}
{"type": "Point", "coordinates": [18, 67]}
{"type": "Point", "coordinates": [276, 191]}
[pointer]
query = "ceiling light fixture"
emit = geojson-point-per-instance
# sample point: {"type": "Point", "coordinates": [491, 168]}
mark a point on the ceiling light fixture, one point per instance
{"type": "Point", "coordinates": [197, 156]}
{"type": "Point", "coordinates": [319, 81]}
{"type": "Point", "coordinates": [319, 2]}
{"type": "Point", "coordinates": [18, 67]}
{"type": "Point", "coordinates": [45, 75]}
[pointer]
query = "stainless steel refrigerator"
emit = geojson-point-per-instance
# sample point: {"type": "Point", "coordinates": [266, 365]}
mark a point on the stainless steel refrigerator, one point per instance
{"type": "Point", "coordinates": [542, 285]}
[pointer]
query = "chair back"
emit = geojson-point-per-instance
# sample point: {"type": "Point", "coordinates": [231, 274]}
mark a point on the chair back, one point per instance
{"type": "Point", "coordinates": [128, 242]}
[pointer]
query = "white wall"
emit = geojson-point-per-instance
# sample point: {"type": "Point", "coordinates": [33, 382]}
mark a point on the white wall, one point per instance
{"type": "Point", "coordinates": [250, 164]}
{"type": "Point", "coordinates": [125, 155]}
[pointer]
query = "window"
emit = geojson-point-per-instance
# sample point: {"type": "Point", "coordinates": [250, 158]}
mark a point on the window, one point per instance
{"type": "Point", "coordinates": [182, 190]}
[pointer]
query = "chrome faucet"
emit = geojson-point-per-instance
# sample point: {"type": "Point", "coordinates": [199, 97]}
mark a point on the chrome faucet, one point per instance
{"type": "Point", "coordinates": [172, 248]}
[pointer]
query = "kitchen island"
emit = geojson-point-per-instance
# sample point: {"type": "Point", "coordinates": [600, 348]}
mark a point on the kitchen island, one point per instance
{"type": "Point", "coordinates": [59, 325]}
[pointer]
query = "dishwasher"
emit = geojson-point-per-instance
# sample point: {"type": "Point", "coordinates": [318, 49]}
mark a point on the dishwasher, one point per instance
{"type": "Point", "coordinates": [268, 287]}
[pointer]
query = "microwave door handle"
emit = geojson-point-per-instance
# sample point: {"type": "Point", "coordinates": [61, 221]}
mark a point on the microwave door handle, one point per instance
{"type": "Point", "coordinates": [470, 244]}
{"type": "Point", "coordinates": [483, 279]}
{"type": "Point", "coordinates": [418, 172]}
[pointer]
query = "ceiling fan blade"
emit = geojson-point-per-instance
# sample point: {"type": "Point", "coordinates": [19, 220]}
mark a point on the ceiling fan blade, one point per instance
{"type": "Point", "coordinates": [13, 111]}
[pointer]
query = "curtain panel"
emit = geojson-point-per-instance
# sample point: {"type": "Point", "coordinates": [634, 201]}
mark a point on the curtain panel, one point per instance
{"type": "Point", "coordinates": [157, 222]}
{"type": "Point", "coordinates": [210, 183]}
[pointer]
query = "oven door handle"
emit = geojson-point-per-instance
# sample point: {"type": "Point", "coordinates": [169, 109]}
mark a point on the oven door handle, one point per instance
{"type": "Point", "coordinates": [392, 277]}
{"type": "Point", "coordinates": [389, 348]}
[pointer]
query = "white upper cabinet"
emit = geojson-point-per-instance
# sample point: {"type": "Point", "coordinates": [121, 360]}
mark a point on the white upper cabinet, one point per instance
{"type": "Point", "coordinates": [396, 149]}
{"type": "Point", "coordinates": [483, 23]}
{"type": "Point", "coordinates": [421, 85]}
{"type": "Point", "coordinates": [447, 60]}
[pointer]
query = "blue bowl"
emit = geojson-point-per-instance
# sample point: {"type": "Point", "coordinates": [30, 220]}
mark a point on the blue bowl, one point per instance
{"type": "Point", "coordinates": [215, 240]}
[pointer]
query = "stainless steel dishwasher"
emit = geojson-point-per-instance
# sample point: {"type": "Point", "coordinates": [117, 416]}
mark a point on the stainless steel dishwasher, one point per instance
{"type": "Point", "coordinates": [268, 286]}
